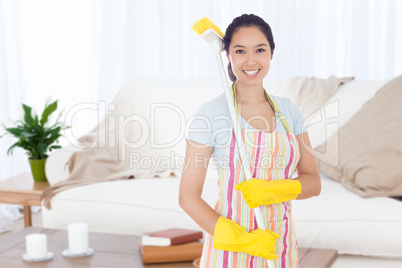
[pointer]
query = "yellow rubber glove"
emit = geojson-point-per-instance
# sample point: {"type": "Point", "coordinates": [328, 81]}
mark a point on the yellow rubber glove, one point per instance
{"type": "Point", "coordinates": [230, 236]}
{"type": "Point", "coordinates": [261, 192]}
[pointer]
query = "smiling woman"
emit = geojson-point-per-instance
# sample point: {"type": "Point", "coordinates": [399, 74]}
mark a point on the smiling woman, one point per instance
{"type": "Point", "coordinates": [237, 234]}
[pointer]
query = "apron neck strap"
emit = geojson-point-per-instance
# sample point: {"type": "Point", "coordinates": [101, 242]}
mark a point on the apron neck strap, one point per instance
{"type": "Point", "coordinates": [271, 101]}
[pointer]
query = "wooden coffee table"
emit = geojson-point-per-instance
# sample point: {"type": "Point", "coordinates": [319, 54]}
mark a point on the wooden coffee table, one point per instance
{"type": "Point", "coordinates": [113, 250]}
{"type": "Point", "coordinates": [110, 250]}
{"type": "Point", "coordinates": [22, 190]}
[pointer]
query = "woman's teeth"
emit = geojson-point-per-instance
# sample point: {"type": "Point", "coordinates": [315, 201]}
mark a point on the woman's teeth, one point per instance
{"type": "Point", "coordinates": [251, 72]}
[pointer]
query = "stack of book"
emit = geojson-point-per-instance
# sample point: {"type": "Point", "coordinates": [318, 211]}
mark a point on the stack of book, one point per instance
{"type": "Point", "coordinates": [171, 245]}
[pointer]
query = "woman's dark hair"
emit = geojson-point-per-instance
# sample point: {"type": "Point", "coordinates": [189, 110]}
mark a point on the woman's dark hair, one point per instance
{"type": "Point", "coordinates": [246, 20]}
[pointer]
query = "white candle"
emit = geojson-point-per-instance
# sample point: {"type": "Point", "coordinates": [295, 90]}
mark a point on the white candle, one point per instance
{"type": "Point", "coordinates": [78, 238]}
{"type": "Point", "coordinates": [36, 246]}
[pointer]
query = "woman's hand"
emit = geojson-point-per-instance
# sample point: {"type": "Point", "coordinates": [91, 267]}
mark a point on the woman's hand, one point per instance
{"type": "Point", "coordinates": [230, 236]}
{"type": "Point", "coordinates": [261, 192]}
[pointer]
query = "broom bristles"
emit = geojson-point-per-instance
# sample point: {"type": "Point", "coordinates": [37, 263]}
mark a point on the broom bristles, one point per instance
{"type": "Point", "coordinates": [205, 24]}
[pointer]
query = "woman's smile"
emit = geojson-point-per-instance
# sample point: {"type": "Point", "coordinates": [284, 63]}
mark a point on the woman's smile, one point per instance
{"type": "Point", "coordinates": [251, 73]}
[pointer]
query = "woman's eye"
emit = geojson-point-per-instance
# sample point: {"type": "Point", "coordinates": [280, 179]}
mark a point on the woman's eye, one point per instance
{"type": "Point", "coordinates": [240, 51]}
{"type": "Point", "coordinates": [260, 50]}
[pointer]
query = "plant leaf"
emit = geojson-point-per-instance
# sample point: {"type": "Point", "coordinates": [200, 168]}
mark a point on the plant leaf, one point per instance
{"type": "Point", "coordinates": [27, 114]}
{"type": "Point", "coordinates": [14, 131]}
{"type": "Point", "coordinates": [12, 147]}
{"type": "Point", "coordinates": [49, 109]}
{"type": "Point", "coordinates": [55, 134]}
{"type": "Point", "coordinates": [42, 148]}
{"type": "Point", "coordinates": [54, 147]}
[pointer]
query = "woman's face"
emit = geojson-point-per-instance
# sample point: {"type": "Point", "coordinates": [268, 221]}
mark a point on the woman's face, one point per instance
{"type": "Point", "coordinates": [250, 55]}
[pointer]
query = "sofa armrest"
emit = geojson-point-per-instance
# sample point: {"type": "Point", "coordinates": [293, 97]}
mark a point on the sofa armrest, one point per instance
{"type": "Point", "coordinates": [55, 168]}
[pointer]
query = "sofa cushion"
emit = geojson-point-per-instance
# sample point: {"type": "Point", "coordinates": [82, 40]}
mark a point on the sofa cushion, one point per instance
{"type": "Point", "coordinates": [339, 219]}
{"type": "Point", "coordinates": [311, 93]}
{"type": "Point", "coordinates": [366, 154]}
{"type": "Point", "coordinates": [347, 101]}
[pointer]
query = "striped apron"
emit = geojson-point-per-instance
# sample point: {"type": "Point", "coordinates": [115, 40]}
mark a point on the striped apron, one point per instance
{"type": "Point", "coordinates": [273, 156]}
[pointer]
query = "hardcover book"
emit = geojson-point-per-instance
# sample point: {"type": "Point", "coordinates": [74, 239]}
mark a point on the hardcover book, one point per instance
{"type": "Point", "coordinates": [177, 253]}
{"type": "Point", "coordinates": [168, 237]}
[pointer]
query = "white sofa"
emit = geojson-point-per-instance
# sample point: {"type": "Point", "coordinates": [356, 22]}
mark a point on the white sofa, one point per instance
{"type": "Point", "coordinates": [337, 219]}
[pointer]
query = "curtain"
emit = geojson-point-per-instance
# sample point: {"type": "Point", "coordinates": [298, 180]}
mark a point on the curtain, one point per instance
{"type": "Point", "coordinates": [12, 88]}
{"type": "Point", "coordinates": [313, 38]}
{"type": "Point", "coordinates": [11, 92]}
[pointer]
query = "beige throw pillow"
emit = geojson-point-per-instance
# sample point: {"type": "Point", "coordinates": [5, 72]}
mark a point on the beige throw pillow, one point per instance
{"type": "Point", "coordinates": [311, 93]}
{"type": "Point", "coordinates": [366, 153]}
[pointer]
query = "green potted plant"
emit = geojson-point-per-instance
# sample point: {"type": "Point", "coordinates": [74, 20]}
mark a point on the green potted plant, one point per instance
{"type": "Point", "coordinates": [37, 137]}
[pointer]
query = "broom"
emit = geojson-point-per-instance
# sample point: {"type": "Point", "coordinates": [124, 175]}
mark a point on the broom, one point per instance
{"type": "Point", "coordinates": [211, 33]}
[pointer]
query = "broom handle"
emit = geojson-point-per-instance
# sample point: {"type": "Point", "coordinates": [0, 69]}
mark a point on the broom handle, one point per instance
{"type": "Point", "coordinates": [239, 140]}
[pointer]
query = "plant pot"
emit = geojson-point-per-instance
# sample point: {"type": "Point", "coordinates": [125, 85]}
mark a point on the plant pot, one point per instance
{"type": "Point", "coordinates": [38, 169]}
